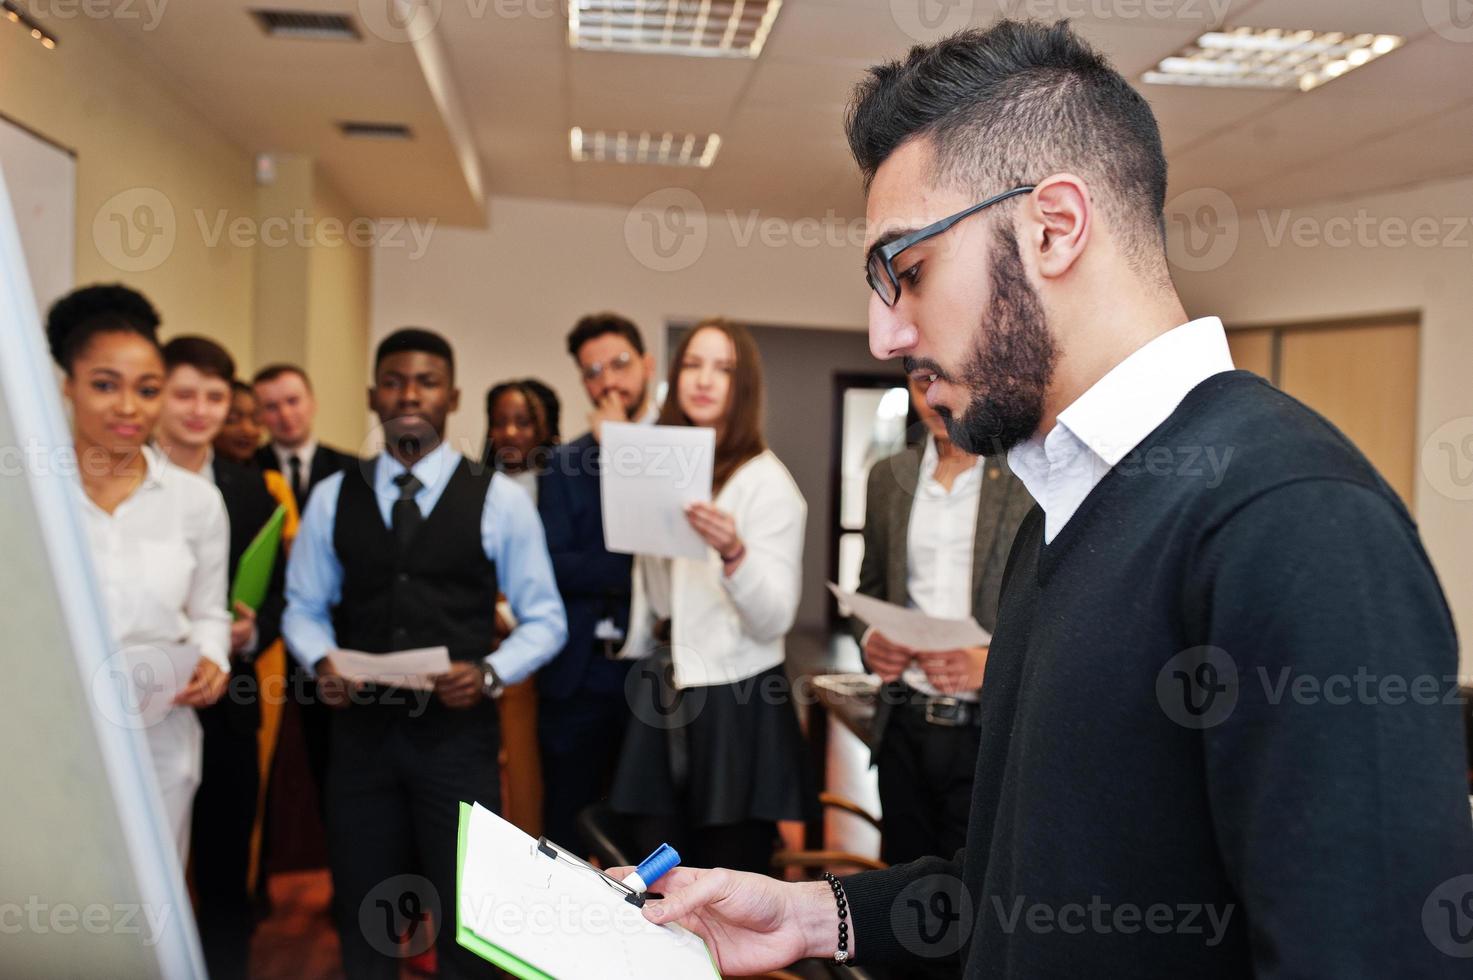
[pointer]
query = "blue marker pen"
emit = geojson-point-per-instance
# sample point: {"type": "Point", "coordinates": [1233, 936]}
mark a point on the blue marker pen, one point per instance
{"type": "Point", "coordinates": [652, 868]}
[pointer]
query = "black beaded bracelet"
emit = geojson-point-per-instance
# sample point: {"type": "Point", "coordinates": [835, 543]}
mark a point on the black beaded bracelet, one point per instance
{"type": "Point", "coordinates": [841, 956]}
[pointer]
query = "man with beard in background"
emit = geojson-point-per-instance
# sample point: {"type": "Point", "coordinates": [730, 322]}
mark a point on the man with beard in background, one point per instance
{"type": "Point", "coordinates": [407, 551]}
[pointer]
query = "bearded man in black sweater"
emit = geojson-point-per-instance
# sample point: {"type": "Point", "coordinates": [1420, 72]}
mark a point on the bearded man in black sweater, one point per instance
{"type": "Point", "coordinates": [1219, 728]}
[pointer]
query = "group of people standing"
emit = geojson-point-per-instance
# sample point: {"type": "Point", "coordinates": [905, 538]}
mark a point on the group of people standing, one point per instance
{"type": "Point", "coordinates": [499, 559]}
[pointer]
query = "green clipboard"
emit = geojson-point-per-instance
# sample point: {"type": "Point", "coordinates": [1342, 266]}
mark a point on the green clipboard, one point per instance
{"type": "Point", "coordinates": [253, 573]}
{"type": "Point", "coordinates": [514, 965]}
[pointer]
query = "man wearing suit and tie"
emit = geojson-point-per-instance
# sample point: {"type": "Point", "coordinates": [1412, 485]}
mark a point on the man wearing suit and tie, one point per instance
{"type": "Point", "coordinates": [288, 409]}
{"type": "Point", "coordinates": [939, 523]}
{"type": "Point", "coordinates": [582, 711]}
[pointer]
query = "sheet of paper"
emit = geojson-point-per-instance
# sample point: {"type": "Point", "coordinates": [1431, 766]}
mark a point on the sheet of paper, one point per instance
{"type": "Point", "coordinates": [649, 473]}
{"type": "Point", "coordinates": [414, 670]}
{"type": "Point", "coordinates": [911, 627]}
{"type": "Point", "coordinates": [148, 676]}
{"type": "Point", "coordinates": [563, 920]}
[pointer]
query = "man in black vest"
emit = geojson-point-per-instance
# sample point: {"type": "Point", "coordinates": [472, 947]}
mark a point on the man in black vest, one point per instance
{"type": "Point", "coordinates": [405, 552]}
{"type": "Point", "coordinates": [1220, 735]}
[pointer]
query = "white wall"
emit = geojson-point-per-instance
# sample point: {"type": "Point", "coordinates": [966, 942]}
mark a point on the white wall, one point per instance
{"type": "Point", "coordinates": [1390, 253]}
{"type": "Point", "coordinates": [507, 296]}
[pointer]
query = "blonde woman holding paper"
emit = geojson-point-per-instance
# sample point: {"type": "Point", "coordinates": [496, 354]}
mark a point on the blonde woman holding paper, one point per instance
{"type": "Point", "coordinates": [713, 757]}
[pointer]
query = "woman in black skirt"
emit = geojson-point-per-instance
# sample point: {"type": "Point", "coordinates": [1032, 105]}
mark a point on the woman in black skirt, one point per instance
{"type": "Point", "coordinates": [714, 757]}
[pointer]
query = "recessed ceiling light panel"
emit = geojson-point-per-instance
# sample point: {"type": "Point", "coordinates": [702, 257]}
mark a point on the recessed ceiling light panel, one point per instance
{"type": "Point", "coordinates": [665, 149]}
{"type": "Point", "coordinates": [704, 28]}
{"type": "Point", "coordinates": [1255, 57]}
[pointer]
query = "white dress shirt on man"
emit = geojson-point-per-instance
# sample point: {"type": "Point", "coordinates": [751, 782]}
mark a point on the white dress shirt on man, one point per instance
{"type": "Point", "coordinates": [161, 558]}
{"type": "Point", "coordinates": [940, 545]}
{"type": "Point", "coordinates": [1105, 423]}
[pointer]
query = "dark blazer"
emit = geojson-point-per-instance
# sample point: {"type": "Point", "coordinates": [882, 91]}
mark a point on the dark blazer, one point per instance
{"type": "Point", "coordinates": [595, 584]}
{"type": "Point", "coordinates": [325, 462]}
{"type": "Point", "coordinates": [249, 506]}
{"type": "Point", "coordinates": [884, 574]}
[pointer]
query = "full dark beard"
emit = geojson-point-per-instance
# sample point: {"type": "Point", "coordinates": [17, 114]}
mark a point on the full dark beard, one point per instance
{"type": "Point", "coordinates": [1013, 362]}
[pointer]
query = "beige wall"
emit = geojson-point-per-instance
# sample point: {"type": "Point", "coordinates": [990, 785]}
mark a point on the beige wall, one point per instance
{"type": "Point", "coordinates": [1405, 252]}
{"type": "Point", "coordinates": [169, 205]}
{"type": "Point", "coordinates": [134, 138]}
{"type": "Point", "coordinates": [507, 296]}
{"type": "Point", "coordinates": [337, 327]}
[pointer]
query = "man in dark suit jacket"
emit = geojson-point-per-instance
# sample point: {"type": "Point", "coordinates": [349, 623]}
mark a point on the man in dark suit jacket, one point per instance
{"type": "Point", "coordinates": [926, 726]}
{"type": "Point", "coordinates": [288, 409]}
{"type": "Point", "coordinates": [582, 709]}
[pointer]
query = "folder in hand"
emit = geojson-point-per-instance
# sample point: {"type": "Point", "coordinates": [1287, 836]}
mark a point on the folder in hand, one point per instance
{"type": "Point", "coordinates": [541, 913]}
{"type": "Point", "coordinates": [253, 573]}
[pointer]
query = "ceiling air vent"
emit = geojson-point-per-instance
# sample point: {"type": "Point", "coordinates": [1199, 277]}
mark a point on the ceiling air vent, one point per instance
{"type": "Point", "coordinates": [307, 25]}
{"type": "Point", "coordinates": [375, 131]}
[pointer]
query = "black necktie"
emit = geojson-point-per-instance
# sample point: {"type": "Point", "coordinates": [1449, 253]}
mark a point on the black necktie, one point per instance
{"type": "Point", "coordinates": [298, 491]}
{"type": "Point", "coordinates": [406, 515]}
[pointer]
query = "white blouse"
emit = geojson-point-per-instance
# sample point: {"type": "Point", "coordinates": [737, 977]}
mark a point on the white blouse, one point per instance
{"type": "Point", "coordinates": [161, 560]}
{"type": "Point", "coordinates": [725, 628]}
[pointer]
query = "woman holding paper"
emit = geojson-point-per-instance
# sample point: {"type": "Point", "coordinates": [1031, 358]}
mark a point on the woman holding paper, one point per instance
{"type": "Point", "coordinates": [713, 757]}
{"type": "Point", "coordinates": [158, 534]}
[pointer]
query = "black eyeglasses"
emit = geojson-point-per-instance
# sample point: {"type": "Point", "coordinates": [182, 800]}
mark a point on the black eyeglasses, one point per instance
{"type": "Point", "coordinates": [879, 265]}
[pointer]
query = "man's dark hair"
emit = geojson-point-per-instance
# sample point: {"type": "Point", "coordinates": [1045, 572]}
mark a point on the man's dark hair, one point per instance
{"type": "Point", "coordinates": [84, 313]}
{"type": "Point", "coordinates": [598, 324]}
{"type": "Point", "coordinates": [1007, 107]}
{"type": "Point", "coordinates": [239, 387]}
{"type": "Point", "coordinates": [271, 372]}
{"type": "Point", "coordinates": [202, 354]}
{"type": "Point", "coordinates": [415, 339]}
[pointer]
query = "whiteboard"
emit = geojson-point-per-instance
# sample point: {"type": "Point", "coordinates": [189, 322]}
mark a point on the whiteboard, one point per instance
{"type": "Point", "coordinates": [43, 195]}
{"type": "Point", "coordinates": [93, 885]}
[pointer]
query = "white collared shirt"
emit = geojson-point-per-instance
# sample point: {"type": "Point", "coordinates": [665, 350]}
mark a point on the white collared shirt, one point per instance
{"type": "Point", "coordinates": [940, 542]}
{"type": "Point", "coordinates": [305, 452]}
{"type": "Point", "coordinates": [161, 558]}
{"type": "Point", "coordinates": [1109, 420]}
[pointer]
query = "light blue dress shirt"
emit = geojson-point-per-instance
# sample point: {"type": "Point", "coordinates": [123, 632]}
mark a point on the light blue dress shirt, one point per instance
{"type": "Point", "coordinates": [511, 534]}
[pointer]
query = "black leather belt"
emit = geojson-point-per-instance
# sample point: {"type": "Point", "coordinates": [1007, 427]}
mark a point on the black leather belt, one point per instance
{"type": "Point", "coordinates": [942, 710]}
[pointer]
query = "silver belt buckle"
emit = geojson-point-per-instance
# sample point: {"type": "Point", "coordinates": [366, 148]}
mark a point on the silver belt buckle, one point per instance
{"type": "Point", "coordinates": [947, 721]}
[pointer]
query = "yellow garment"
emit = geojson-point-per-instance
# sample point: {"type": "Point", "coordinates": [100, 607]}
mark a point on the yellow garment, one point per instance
{"type": "Point", "coordinates": [276, 485]}
{"type": "Point", "coordinates": [271, 672]}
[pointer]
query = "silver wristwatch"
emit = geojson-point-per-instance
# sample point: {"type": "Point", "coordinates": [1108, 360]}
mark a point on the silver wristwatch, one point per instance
{"type": "Point", "coordinates": [492, 685]}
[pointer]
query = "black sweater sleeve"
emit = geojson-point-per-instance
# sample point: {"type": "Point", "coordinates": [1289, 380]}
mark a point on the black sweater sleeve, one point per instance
{"type": "Point", "coordinates": [1336, 779]}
